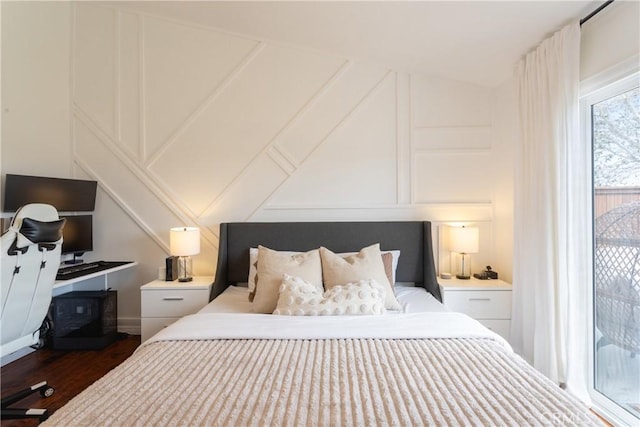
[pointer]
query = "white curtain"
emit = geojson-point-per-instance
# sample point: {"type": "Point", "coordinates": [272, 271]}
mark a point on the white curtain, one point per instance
{"type": "Point", "coordinates": [552, 215]}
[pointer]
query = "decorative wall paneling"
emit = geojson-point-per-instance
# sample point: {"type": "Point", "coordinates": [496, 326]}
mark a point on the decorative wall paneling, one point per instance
{"type": "Point", "coordinates": [297, 143]}
{"type": "Point", "coordinates": [452, 168]}
{"type": "Point", "coordinates": [183, 124]}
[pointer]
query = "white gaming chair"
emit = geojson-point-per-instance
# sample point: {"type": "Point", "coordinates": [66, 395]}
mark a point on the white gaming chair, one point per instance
{"type": "Point", "coordinates": [30, 259]}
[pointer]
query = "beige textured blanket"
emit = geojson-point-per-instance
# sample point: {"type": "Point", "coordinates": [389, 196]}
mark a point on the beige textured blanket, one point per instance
{"type": "Point", "coordinates": [324, 382]}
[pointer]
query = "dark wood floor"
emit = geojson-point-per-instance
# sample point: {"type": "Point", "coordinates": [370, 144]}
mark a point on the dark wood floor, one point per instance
{"type": "Point", "coordinates": [69, 372]}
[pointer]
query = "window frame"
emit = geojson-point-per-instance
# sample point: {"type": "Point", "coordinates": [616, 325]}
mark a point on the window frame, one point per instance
{"type": "Point", "coordinates": [611, 84]}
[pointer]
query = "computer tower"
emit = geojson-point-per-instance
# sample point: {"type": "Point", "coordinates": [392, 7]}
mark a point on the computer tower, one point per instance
{"type": "Point", "coordinates": [84, 320]}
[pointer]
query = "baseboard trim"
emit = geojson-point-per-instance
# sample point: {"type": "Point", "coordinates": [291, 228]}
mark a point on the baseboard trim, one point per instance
{"type": "Point", "coordinates": [129, 325]}
{"type": "Point", "coordinates": [15, 355]}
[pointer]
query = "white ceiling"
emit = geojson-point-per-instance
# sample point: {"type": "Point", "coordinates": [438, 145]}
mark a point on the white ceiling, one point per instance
{"type": "Point", "coordinates": [471, 41]}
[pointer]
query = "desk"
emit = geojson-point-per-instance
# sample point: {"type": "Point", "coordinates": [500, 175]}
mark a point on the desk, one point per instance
{"type": "Point", "coordinates": [92, 281]}
{"type": "Point", "coordinates": [95, 280]}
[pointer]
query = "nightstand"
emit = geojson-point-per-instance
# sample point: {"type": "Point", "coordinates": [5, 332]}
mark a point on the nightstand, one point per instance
{"type": "Point", "coordinates": [488, 301]}
{"type": "Point", "coordinates": [165, 302]}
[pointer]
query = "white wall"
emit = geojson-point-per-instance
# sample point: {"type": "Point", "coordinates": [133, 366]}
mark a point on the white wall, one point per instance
{"type": "Point", "coordinates": [610, 38]}
{"type": "Point", "coordinates": [36, 88]}
{"type": "Point", "coordinates": [186, 125]}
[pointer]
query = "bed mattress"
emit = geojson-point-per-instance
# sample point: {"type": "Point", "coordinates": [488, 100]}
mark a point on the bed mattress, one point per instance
{"type": "Point", "coordinates": [259, 370]}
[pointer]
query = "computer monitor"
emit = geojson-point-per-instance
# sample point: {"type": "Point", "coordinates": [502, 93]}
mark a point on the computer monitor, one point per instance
{"type": "Point", "coordinates": [77, 235]}
{"type": "Point", "coordinates": [66, 195]}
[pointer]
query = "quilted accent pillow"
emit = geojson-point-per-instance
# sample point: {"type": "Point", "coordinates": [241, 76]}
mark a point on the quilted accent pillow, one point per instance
{"type": "Point", "coordinates": [273, 264]}
{"type": "Point", "coordinates": [365, 265]}
{"type": "Point", "coordinates": [301, 298]}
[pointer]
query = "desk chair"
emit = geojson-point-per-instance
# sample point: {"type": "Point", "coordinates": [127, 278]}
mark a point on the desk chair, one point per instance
{"type": "Point", "coordinates": [30, 259]}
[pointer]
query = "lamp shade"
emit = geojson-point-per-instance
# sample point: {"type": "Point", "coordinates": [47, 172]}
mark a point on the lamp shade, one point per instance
{"type": "Point", "coordinates": [184, 241]}
{"type": "Point", "coordinates": [463, 240]}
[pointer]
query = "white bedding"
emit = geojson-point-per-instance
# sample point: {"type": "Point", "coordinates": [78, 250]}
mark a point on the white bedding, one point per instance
{"type": "Point", "coordinates": [206, 326]}
{"type": "Point", "coordinates": [235, 299]}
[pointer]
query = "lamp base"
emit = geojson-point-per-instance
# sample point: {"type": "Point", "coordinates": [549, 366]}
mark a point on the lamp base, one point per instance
{"type": "Point", "coordinates": [185, 269]}
{"type": "Point", "coordinates": [462, 277]}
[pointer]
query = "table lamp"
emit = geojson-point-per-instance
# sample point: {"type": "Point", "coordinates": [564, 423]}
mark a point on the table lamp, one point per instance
{"type": "Point", "coordinates": [184, 242]}
{"type": "Point", "coordinates": [464, 240]}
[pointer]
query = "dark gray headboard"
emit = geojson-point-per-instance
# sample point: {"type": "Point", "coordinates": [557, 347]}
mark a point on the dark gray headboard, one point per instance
{"type": "Point", "coordinates": [412, 238]}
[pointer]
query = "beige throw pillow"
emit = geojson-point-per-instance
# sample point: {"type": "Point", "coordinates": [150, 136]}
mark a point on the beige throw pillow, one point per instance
{"type": "Point", "coordinates": [253, 270]}
{"type": "Point", "coordinates": [389, 259]}
{"type": "Point", "coordinates": [271, 267]}
{"type": "Point", "coordinates": [365, 265]}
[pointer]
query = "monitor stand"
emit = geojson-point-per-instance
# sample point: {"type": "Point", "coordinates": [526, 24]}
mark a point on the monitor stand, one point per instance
{"type": "Point", "coordinates": [75, 259]}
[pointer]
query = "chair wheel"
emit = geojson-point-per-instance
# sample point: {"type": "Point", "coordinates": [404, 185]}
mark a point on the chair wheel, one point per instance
{"type": "Point", "coordinates": [47, 392]}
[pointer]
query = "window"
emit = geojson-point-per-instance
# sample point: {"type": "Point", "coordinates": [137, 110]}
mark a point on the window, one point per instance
{"type": "Point", "coordinates": [611, 117]}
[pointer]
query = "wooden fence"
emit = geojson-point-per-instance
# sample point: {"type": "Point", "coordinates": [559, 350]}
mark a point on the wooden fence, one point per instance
{"type": "Point", "coordinates": [607, 198]}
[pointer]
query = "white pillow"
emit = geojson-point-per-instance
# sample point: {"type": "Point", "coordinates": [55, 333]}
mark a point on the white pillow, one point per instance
{"type": "Point", "coordinates": [253, 269]}
{"type": "Point", "coordinates": [273, 264]}
{"type": "Point", "coordinates": [301, 298]}
{"type": "Point", "coordinates": [365, 265]}
{"type": "Point", "coordinates": [396, 256]}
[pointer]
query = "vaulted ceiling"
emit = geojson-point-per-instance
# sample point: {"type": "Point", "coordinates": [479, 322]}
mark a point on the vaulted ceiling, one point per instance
{"type": "Point", "coordinates": [472, 41]}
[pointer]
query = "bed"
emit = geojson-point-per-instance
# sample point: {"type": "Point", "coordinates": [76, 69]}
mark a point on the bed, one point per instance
{"type": "Point", "coordinates": [418, 364]}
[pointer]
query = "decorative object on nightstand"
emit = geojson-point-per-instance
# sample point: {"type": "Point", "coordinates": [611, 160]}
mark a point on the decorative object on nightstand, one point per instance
{"type": "Point", "coordinates": [464, 240]}
{"type": "Point", "coordinates": [487, 274]}
{"type": "Point", "coordinates": [184, 242]}
{"type": "Point", "coordinates": [170, 269]}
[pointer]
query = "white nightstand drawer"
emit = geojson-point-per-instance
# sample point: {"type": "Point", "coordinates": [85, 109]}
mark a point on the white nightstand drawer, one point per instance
{"type": "Point", "coordinates": [480, 304]}
{"type": "Point", "coordinates": [499, 326]}
{"type": "Point", "coordinates": [173, 302]}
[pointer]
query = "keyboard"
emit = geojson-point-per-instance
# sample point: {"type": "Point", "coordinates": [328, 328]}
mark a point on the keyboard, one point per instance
{"type": "Point", "coordinates": [78, 270]}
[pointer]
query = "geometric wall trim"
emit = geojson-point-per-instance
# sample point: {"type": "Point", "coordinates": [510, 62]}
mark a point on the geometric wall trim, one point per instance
{"type": "Point", "coordinates": [185, 124]}
{"type": "Point", "coordinates": [463, 176]}
{"type": "Point", "coordinates": [453, 138]}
